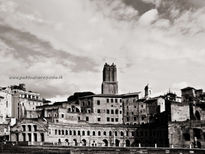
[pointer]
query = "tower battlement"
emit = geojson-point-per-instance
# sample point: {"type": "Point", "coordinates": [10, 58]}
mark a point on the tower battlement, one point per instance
{"type": "Point", "coordinates": [110, 83]}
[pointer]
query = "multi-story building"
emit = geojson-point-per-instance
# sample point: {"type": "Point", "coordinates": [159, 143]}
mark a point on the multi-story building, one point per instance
{"type": "Point", "coordinates": [112, 119]}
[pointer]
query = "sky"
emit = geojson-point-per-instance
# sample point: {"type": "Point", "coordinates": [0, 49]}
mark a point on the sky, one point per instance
{"type": "Point", "coordinates": [160, 42]}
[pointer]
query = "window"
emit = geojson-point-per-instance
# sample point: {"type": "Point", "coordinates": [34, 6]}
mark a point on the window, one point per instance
{"type": "Point", "coordinates": [66, 132]}
{"type": "Point", "coordinates": [24, 127]}
{"type": "Point", "coordinates": [116, 119]}
{"type": "Point", "coordinates": [35, 137]}
{"type": "Point", "coordinates": [128, 119]}
{"type": "Point", "coordinates": [29, 128]}
{"type": "Point", "coordinates": [88, 133]}
{"type": "Point", "coordinates": [133, 133]}
{"type": "Point", "coordinates": [62, 132]}
{"type": "Point", "coordinates": [116, 100]}
{"type": "Point", "coordinates": [56, 131]}
{"type": "Point", "coordinates": [122, 134]}
{"type": "Point", "coordinates": [105, 133]}
{"type": "Point", "coordinates": [93, 133]}
{"type": "Point", "coordinates": [83, 133]}
{"type": "Point", "coordinates": [127, 133]}
{"type": "Point", "coordinates": [112, 111]}
{"type": "Point", "coordinates": [99, 133]}
{"type": "Point", "coordinates": [79, 133]}
{"type": "Point", "coordinates": [98, 102]}
{"type": "Point", "coordinates": [70, 132]}
{"type": "Point", "coordinates": [111, 100]}
{"type": "Point", "coordinates": [116, 111]}
{"type": "Point", "coordinates": [78, 118]}
{"type": "Point", "coordinates": [115, 133]}
{"type": "Point", "coordinates": [107, 100]}
{"type": "Point", "coordinates": [132, 113]}
{"type": "Point", "coordinates": [120, 112]}
{"type": "Point", "coordinates": [98, 110]}
{"type": "Point", "coordinates": [74, 132]}
{"type": "Point", "coordinates": [108, 119]}
{"type": "Point", "coordinates": [112, 119]}
{"type": "Point", "coordinates": [24, 137]}
{"type": "Point", "coordinates": [59, 132]}
{"type": "Point", "coordinates": [99, 119]}
{"type": "Point", "coordinates": [135, 118]}
{"type": "Point", "coordinates": [62, 115]}
{"type": "Point", "coordinates": [42, 137]}
{"type": "Point", "coordinates": [87, 118]}
{"type": "Point", "coordinates": [108, 111]}
{"type": "Point", "coordinates": [110, 133]}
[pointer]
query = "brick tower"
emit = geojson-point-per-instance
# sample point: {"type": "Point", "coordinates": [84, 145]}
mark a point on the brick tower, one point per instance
{"type": "Point", "coordinates": [110, 83]}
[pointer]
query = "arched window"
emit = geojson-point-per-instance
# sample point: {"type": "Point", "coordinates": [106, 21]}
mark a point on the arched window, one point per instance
{"type": "Point", "coordinates": [66, 132]}
{"type": "Point", "coordinates": [74, 132]}
{"type": "Point", "coordinates": [59, 132]}
{"type": "Point", "coordinates": [99, 133]}
{"type": "Point", "coordinates": [83, 133]}
{"type": "Point", "coordinates": [88, 133]}
{"type": "Point", "coordinates": [62, 132]}
{"type": "Point", "coordinates": [122, 133]}
{"type": "Point", "coordinates": [110, 133]}
{"type": "Point", "coordinates": [105, 133]}
{"type": "Point", "coordinates": [56, 131]}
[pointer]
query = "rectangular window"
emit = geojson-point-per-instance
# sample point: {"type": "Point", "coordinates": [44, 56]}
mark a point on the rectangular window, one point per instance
{"type": "Point", "coordinates": [112, 111]}
{"type": "Point", "coordinates": [107, 100]}
{"type": "Point", "coordinates": [116, 119]}
{"type": "Point", "coordinates": [111, 100]}
{"type": "Point", "coordinates": [108, 119]}
{"type": "Point", "coordinates": [99, 119]}
{"type": "Point", "coordinates": [98, 110]}
{"type": "Point", "coordinates": [108, 111]}
{"type": "Point", "coordinates": [62, 115]}
{"type": "Point", "coordinates": [98, 102]}
{"type": "Point", "coordinates": [112, 119]}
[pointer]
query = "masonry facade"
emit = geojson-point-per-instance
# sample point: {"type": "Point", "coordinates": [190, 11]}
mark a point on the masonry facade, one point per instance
{"type": "Point", "coordinates": [112, 119]}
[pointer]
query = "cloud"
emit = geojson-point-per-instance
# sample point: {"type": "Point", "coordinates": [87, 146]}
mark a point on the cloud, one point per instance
{"type": "Point", "coordinates": [75, 38]}
{"type": "Point", "coordinates": [149, 17]}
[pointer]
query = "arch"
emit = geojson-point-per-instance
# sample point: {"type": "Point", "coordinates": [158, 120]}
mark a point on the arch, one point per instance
{"type": "Point", "coordinates": [198, 116]}
{"type": "Point", "coordinates": [105, 143]}
{"type": "Point", "coordinates": [75, 142]}
{"type": "Point", "coordinates": [83, 142]}
{"type": "Point", "coordinates": [127, 142]}
{"type": "Point", "coordinates": [117, 143]}
{"type": "Point", "coordinates": [198, 144]}
{"type": "Point", "coordinates": [77, 110]}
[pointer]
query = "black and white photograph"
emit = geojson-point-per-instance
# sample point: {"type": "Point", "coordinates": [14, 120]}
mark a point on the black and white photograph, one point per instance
{"type": "Point", "coordinates": [102, 76]}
